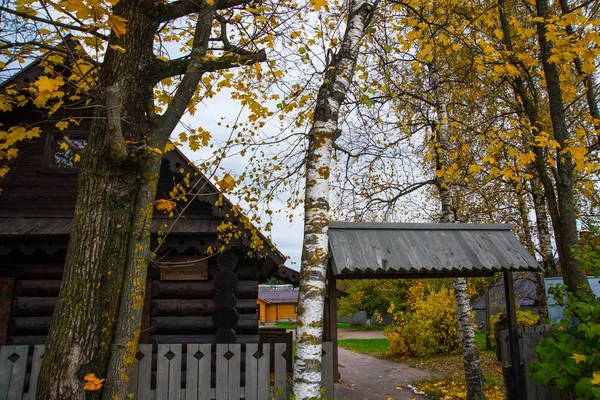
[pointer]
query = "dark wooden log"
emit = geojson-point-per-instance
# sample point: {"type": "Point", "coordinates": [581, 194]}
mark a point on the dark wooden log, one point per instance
{"type": "Point", "coordinates": [225, 281]}
{"type": "Point", "coordinates": [227, 261]}
{"type": "Point", "coordinates": [38, 288]}
{"type": "Point", "coordinates": [33, 306]}
{"type": "Point", "coordinates": [225, 299]}
{"type": "Point", "coordinates": [187, 339]}
{"type": "Point", "coordinates": [199, 290]}
{"type": "Point", "coordinates": [182, 308]}
{"type": "Point", "coordinates": [29, 326]}
{"type": "Point", "coordinates": [33, 271]}
{"type": "Point", "coordinates": [247, 272]}
{"type": "Point", "coordinates": [6, 296]}
{"type": "Point", "coordinates": [225, 317]}
{"type": "Point", "coordinates": [23, 340]}
{"type": "Point", "coordinates": [182, 325]}
{"type": "Point", "coordinates": [145, 325]}
{"type": "Point", "coordinates": [225, 336]}
{"type": "Point", "coordinates": [247, 324]}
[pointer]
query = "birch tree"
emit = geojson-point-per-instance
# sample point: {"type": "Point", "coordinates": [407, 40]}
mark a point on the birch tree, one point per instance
{"type": "Point", "coordinates": [337, 78]}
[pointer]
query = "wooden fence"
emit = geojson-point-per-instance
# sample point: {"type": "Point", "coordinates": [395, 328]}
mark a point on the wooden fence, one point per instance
{"type": "Point", "coordinates": [528, 338]}
{"type": "Point", "coordinates": [202, 372]}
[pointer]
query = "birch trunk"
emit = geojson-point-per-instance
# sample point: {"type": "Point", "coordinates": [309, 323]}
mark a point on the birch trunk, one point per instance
{"type": "Point", "coordinates": [543, 228]}
{"type": "Point", "coordinates": [315, 248]}
{"type": "Point", "coordinates": [471, 360]}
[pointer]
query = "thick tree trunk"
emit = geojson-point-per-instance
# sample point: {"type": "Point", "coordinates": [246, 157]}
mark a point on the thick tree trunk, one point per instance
{"type": "Point", "coordinates": [309, 331]}
{"type": "Point", "coordinates": [543, 228]}
{"type": "Point", "coordinates": [87, 307]}
{"type": "Point", "coordinates": [471, 360]}
{"type": "Point", "coordinates": [573, 275]}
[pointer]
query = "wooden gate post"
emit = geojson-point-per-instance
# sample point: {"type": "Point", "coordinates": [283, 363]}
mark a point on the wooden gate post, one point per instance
{"type": "Point", "coordinates": [516, 392]}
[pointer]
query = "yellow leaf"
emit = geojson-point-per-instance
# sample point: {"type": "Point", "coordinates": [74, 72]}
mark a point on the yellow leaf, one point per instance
{"type": "Point", "coordinates": [164, 205]}
{"type": "Point", "coordinates": [318, 4]}
{"type": "Point", "coordinates": [210, 2]}
{"type": "Point", "coordinates": [596, 378]}
{"type": "Point", "coordinates": [117, 48]}
{"type": "Point", "coordinates": [118, 24]}
{"type": "Point", "coordinates": [62, 125]}
{"type": "Point", "coordinates": [227, 183]}
{"type": "Point", "coordinates": [113, 2]}
{"type": "Point", "coordinates": [579, 358]}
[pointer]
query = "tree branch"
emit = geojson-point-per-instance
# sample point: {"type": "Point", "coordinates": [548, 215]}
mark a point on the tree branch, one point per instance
{"type": "Point", "coordinates": [182, 8]}
{"type": "Point", "coordinates": [113, 117]}
{"type": "Point", "coordinates": [74, 148]}
{"type": "Point", "coordinates": [51, 48]}
{"type": "Point", "coordinates": [180, 66]}
{"type": "Point", "coordinates": [91, 30]}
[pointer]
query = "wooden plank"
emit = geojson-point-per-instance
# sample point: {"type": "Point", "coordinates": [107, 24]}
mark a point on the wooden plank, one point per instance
{"type": "Point", "coordinates": [327, 369]}
{"type": "Point", "coordinates": [280, 372]}
{"type": "Point", "coordinates": [19, 368]}
{"type": "Point", "coordinates": [175, 372]}
{"type": "Point", "coordinates": [6, 367]}
{"type": "Point", "coordinates": [264, 372]}
{"type": "Point", "coordinates": [162, 372]}
{"type": "Point", "coordinates": [142, 373]}
{"type": "Point", "coordinates": [6, 295]}
{"type": "Point", "coordinates": [234, 371]}
{"type": "Point", "coordinates": [36, 366]}
{"type": "Point", "coordinates": [198, 372]}
{"type": "Point", "coordinates": [251, 372]}
{"type": "Point", "coordinates": [333, 308]}
{"type": "Point", "coordinates": [529, 340]}
{"type": "Point", "coordinates": [221, 385]}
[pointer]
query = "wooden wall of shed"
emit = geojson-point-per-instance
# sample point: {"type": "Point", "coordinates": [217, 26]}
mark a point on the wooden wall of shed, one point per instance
{"type": "Point", "coordinates": [176, 311]}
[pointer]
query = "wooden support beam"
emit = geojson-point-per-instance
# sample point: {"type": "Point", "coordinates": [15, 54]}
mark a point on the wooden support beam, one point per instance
{"type": "Point", "coordinates": [516, 392]}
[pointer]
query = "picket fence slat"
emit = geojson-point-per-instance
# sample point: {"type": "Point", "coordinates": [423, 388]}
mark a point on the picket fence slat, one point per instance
{"type": "Point", "coordinates": [169, 373]}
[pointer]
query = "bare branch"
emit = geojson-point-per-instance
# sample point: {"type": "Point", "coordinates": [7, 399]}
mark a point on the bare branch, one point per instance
{"type": "Point", "coordinates": [51, 48]}
{"type": "Point", "coordinates": [182, 8]}
{"type": "Point", "coordinates": [91, 30]}
{"type": "Point", "coordinates": [74, 148]}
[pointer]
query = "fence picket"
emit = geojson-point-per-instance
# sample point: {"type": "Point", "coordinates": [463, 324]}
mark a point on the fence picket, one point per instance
{"type": "Point", "coordinates": [13, 365]}
{"type": "Point", "coordinates": [280, 372]}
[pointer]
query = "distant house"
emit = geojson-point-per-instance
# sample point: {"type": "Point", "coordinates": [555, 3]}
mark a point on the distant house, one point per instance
{"type": "Point", "coordinates": [525, 297]}
{"type": "Point", "coordinates": [277, 303]}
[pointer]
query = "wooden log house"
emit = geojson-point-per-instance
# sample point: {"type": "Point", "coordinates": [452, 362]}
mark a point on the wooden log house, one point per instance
{"type": "Point", "coordinates": [209, 300]}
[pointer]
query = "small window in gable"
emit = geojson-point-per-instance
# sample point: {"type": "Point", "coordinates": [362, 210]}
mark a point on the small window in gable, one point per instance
{"type": "Point", "coordinates": [60, 156]}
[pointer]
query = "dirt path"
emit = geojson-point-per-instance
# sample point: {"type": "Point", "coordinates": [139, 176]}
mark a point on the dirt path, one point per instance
{"type": "Point", "coordinates": [367, 378]}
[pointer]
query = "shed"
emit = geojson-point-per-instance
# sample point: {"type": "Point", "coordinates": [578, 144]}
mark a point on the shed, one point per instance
{"type": "Point", "coordinates": [277, 303]}
{"type": "Point", "coordinates": [361, 250]}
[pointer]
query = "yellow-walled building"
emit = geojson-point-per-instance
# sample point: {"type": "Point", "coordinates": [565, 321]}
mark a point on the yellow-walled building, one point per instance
{"type": "Point", "coordinates": [277, 303]}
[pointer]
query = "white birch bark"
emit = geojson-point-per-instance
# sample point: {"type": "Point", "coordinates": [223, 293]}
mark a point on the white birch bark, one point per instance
{"type": "Point", "coordinates": [471, 360]}
{"type": "Point", "coordinates": [315, 248]}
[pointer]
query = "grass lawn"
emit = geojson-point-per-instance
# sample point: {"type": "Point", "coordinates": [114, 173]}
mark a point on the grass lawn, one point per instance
{"type": "Point", "coordinates": [373, 327]}
{"type": "Point", "coordinates": [286, 325]}
{"type": "Point", "coordinates": [452, 384]}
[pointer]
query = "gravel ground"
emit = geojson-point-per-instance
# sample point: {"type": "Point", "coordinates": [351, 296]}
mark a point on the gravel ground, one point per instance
{"type": "Point", "coordinates": [368, 378]}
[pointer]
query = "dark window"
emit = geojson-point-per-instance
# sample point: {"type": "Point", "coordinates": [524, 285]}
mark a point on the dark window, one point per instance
{"type": "Point", "coordinates": [60, 157]}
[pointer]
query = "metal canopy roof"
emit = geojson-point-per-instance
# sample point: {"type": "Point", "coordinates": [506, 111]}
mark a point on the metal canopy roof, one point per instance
{"type": "Point", "coordinates": [380, 250]}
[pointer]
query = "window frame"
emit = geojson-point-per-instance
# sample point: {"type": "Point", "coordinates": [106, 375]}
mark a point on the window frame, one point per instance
{"type": "Point", "coordinates": [50, 147]}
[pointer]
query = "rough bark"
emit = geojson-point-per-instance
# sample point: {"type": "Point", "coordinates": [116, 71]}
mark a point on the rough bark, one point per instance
{"type": "Point", "coordinates": [543, 228]}
{"type": "Point", "coordinates": [111, 231]}
{"type": "Point", "coordinates": [540, 292]}
{"type": "Point", "coordinates": [85, 316]}
{"type": "Point", "coordinates": [560, 200]}
{"type": "Point", "coordinates": [573, 275]}
{"type": "Point", "coordinates": [309, 331]}
{"type": "Point", "coordinates": [471, 360]}
{"type": "Point", "coordinates": [134, 290]}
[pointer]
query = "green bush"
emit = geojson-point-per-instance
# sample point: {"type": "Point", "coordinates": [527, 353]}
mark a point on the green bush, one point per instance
{"type": "Point", "coordinates": [570, 359]}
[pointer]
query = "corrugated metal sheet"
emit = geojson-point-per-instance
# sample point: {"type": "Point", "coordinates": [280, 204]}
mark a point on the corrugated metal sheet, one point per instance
{"type": "Point", "coordinates": [425, 249]}
{"type": "Point", "coordinates": [278, 296]}
{"type": "Point", "coordinates": [21, 226]}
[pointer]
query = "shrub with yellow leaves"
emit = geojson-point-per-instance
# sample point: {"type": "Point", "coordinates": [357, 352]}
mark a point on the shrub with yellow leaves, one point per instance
{"type": "Point", "coordinates": [429, 326]}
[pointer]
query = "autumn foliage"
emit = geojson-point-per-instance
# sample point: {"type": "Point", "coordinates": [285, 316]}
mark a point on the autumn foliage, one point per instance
{"type": "Point", "coordinates": [429, 326]}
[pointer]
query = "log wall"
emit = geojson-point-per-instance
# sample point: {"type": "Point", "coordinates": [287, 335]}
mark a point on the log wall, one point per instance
{"type": "Point", "coordinates": [175, 311]}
